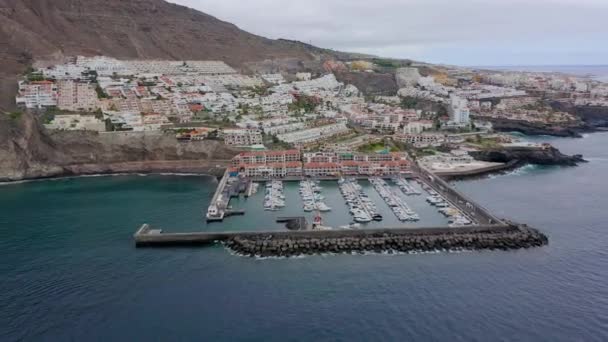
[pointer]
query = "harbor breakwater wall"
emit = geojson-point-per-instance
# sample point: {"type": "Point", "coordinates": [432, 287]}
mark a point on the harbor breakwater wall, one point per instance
{"type": "Point", "coordinates": [295, 243]}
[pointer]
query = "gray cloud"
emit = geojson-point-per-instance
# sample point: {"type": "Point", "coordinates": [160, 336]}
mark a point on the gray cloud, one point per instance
{"type": "Point", "coordinates": [470, 32]}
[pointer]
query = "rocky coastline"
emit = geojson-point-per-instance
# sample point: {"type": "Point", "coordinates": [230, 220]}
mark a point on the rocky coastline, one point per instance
{"type": "Point", "coordinates": [266, 245]}
{"type": "Point", "coordinates": [527, 155]}
{"type": "Point", "coordinates": [530, 128]}
{"type": "Point", "coordinates": [28, 151]}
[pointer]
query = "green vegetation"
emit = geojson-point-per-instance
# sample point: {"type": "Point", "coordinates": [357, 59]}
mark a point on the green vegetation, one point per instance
{"type": "Point", "coordinates": [308, 104]}
{"type": "Point", "coordinates": [260, 90]}
{"type": "Point", "coordinates": [35, 77]}
{"type": "Point", "coordinates": [425, 152]}
{"type": "Point", "coordinates": [386, 63]}
{"type": "Point", "coordinates": [47, 117]}
{"type": "Point", "coordinates": [99, 114]}
{"type": "Point", "coordinates": [378, 147]}
{"type": "Point", "coordinates": [483, 142]}
{"type": "Point", "coordinates": [273, 143]}
{"type": "Point", "coordinates": [15, 115]}
{"type": "Point", "coordinates": [100, 93]}
{"type": "Point", "coordinates": [390, 63]}
{"type": "Point", "coordinates": [409, 102]}
{"type": "Point", "coordinates": [29, 70]}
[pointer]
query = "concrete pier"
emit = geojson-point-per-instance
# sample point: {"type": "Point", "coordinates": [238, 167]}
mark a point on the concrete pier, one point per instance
{"type": "Point", "coordinates": [292, 243]}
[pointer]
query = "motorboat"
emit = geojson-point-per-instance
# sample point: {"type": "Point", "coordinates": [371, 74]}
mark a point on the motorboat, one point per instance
{"type": "Point", "coordinates": [321, 206]}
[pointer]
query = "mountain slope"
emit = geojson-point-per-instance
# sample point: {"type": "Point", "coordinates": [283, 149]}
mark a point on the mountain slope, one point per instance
{"type": "Point", "coordinates": [35, 30]}
{"type": "Point", "coordinates": [47, 30]}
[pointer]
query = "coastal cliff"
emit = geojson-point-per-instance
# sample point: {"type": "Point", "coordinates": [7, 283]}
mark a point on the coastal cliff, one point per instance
{"type": "Point", "coordinates": [29, 151]}
{"type": "Point", "coordinates": [527, 155]}
{"type": "Point", "coordinates": [531, 128]}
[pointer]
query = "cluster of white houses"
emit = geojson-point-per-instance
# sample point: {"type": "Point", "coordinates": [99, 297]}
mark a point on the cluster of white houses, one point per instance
{"type": "Point", "coordinates": [242, 137]}
{"type": "Point", "coordinates": [290, 163]}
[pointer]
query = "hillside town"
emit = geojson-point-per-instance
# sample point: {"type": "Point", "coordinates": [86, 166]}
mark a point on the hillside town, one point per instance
{"type": "Point", "coordinates": [305, 111]}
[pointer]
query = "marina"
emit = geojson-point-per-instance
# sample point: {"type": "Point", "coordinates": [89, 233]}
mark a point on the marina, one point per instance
{"type": "Point", "coordinates": [364, 206]}
{"type": "Point", "coordinates": [384, 199]}
{"type": "Point", "coordinates": [274, 199]}
{"type": "Point", "coordinates": [361, 207]}
{"type": "Point", "coordinates": [406, 187]}
{"type": "Point", "coordinates": [397, 204]}
{"type": "Point", "coordinates": [376, 213]}
{"type": "Point", "coordinates": [310, 191]}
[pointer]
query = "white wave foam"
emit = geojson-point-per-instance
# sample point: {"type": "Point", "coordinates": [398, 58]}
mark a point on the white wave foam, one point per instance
{"type": "Point", "coordinates": [354, 253]}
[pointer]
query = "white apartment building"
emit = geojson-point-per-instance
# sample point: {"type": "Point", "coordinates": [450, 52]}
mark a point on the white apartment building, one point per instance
{"type": "Point", "coordinates": [273, 78]}
{"type": "Point", "coordinates": [421, 140]}
{"type": "Point", "coordinates": [313, 134]}
{"type": "Point", "coordinates": [282, 129]}
{"type": "Point", "coordinates": [38, 94]}
{"type": "Point", "coordinates": [459, 110]}
{"type": "Point", "coordinates": [242, 137]}
{"type": "Point", "coordinates": [304, 76]}
{"type": "Point", "coordinates": [417, 127]}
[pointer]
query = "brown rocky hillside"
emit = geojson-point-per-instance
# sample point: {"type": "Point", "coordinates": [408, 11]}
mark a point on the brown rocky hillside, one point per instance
{"type": "Point", "coordinates": [33, 30]}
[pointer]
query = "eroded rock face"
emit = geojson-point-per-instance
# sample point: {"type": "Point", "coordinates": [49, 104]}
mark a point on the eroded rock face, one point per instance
{"type": "Point", "coordinates": [528, 155]}
{"type": "Point", "coordinates": [27, 150]}
{"type": "Point", "coordinates": [370, 83]}
{"type": "Point", "coordinates": [533, 128]}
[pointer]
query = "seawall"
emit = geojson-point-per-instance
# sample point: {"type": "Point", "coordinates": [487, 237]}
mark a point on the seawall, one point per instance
{"type": "Point", "coordinates": [294, 243]}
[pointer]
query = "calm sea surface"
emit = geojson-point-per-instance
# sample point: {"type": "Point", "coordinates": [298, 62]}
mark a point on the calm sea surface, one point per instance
{"type": "Point", "coordinates": [597, 72]}
{"type": "Point", "coordinates": [69, 271]}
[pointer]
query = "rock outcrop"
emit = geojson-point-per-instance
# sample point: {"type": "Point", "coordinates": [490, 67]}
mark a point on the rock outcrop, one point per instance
{"type": "Point", "coordinates": [527, 155]}
{"type": "Point", "coordinates": [531, 128]}
{"type": "Point", "coordinates": [371, 84]}
{"type": "Point", "coordinates": [407, 77]}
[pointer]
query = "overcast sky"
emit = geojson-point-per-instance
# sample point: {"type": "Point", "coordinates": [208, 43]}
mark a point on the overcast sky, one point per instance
{"type": "Point", "coordinates": [463, 32]}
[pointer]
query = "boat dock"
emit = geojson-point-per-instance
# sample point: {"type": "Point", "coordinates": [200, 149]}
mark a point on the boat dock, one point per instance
{"type": "Point", "coordinates": [308, 242]}
{"type": "Point", "coordinates": [227, 188]}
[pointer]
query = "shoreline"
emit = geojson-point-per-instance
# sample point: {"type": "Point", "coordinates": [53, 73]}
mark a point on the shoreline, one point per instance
{"type": "Point", "coordinates": [214, 168]}
{"type": "Point", "coordinates": [99, 175]}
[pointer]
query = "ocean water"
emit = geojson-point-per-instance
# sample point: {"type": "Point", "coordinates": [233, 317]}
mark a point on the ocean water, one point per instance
{"type": "Point", "coordinates": [69, 270]}
{"type": "Point", "coordinates": [597, 72]}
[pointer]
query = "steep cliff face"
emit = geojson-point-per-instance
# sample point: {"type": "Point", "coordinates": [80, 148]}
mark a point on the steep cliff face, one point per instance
{"type": "Point", "coordinates": [528, 155]}
{"type": "Point", "coordinates": [28, 151]}
{"type": "Point", "coordinates": [593, 116]}
{"type": "Point", "coordinates": [530, 128]}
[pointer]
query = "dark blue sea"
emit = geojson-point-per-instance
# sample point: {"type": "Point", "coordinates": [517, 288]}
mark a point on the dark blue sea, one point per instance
{"type": "Point", "coordinates": [69, 270]}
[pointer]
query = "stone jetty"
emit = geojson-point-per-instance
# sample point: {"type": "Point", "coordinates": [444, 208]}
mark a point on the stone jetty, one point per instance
{"type": "Point", "coordinates": [281, 246]}
{"type": "Point", "coordinates": [295, 243]}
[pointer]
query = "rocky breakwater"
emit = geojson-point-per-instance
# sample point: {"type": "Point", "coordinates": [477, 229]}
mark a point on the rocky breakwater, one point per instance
{"type": "Point", "coordinates": [545, 155]}
{"type": "Point", "coordinates": [400, 241]}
